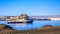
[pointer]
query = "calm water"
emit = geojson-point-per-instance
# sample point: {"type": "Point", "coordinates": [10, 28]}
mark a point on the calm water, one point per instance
{"type": "Point", "coordinates": [35, 24]}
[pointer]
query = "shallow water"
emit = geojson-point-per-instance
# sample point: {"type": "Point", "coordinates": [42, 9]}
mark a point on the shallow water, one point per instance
{"type": "Point", "coordinates": [35, 24]}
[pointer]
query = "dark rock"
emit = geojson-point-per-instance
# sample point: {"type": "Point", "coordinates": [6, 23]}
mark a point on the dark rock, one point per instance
{"type": "Point", "coordinates": [5, 27]}
{"type": "Point", "coordinates": [47, 26]}
{"type": "Point", "coordinates": [8, 27]}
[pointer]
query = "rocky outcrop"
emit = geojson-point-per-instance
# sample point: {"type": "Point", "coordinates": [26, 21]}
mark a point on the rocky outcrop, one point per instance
{"type": "Point", "coordinates": [47, 27]}
{"type": "Point", "coordinates": [5, 27]}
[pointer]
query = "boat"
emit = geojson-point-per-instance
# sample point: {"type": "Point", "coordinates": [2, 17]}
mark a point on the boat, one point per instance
{"type": "Point", "coordinates": [28, 21]}
{"type": "Point", "coordinates": [21, 19]}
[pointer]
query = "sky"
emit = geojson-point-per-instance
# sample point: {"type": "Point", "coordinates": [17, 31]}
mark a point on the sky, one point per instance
{"type": "Point", "coordinates": [30, 7]}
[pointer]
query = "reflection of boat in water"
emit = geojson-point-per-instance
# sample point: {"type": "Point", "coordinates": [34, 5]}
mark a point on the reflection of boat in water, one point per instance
{"type": "Point", "coordinates": [21, 19]}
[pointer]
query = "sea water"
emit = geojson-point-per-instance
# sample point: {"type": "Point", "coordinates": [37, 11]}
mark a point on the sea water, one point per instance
{"type": "Point", "coordinates": [35, 24]}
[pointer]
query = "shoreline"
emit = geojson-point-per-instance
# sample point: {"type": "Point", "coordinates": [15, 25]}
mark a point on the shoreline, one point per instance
{"type": "Point", "coordinates": [47, 29]}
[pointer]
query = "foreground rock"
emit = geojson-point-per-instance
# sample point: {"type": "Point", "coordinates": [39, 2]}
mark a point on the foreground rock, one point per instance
{"type": "Point", "coordinates": [5, 27]}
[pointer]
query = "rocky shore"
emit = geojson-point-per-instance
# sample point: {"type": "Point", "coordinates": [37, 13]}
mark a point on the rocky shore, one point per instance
{"type": "Point", "coordinates": [47, 29]}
